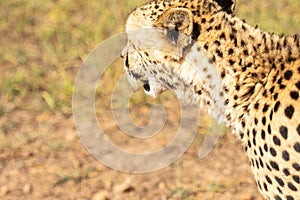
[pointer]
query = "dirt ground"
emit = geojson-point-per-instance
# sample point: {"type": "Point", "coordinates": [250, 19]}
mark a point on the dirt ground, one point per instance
{"type": "Point", "coordinates": [46, 160]}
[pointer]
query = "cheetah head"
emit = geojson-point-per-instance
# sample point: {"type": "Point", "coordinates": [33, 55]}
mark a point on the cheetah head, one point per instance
{"type": "Point", "coordinates": [161, 38]}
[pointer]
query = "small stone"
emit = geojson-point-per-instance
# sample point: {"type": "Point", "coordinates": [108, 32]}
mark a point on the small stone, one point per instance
{"type": "Point", "coordinates": [101, 195]}
{"type": "Point", "coordinates": [70, 136]}
{"type": "Point", "coordinates": [27, 188]}
{"type": "Point", "coordinates": [161, 186]}
{"type": "Point", "coordinates": [4, 191]}
{"type": "Point", "coordinates": [245, 196]}
{"type": "Point", "coordinates": [123, 187]}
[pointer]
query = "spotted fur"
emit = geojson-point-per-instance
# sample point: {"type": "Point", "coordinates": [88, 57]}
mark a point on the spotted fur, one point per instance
{"type": "Point", "coordinates": [248, 78]}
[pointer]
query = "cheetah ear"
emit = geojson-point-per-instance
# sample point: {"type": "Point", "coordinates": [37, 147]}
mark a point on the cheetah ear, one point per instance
{"type": "Point", "coordinates": [227, 5]}
{"type": "Point", "coordinates": [177, 19]}
{"type": "Point", "coordinates": [179, 28]}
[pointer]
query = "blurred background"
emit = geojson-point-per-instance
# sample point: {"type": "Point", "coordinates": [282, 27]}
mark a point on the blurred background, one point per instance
{"type": "Point", "coordinates": [42, 45]}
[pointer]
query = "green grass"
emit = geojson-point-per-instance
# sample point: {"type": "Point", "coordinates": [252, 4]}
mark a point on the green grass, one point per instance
{"type": "Point", "coordinates": [180, 193]}
{"type": "Point", "coordinates": [272, 16]}
{"type": "Point", "coordinates": [44, 43]}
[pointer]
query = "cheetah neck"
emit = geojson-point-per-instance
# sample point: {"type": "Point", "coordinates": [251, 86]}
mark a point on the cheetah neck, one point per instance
{"type": "Point", "coordinates": [244, 57]}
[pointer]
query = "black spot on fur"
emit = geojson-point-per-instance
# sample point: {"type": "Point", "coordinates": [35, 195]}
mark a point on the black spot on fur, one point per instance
{"type": "Point", "coordinates": [283, 131]}
{"type": "Point", "coordinates": [276, 106]}
{"type": "Point", "coordinates": [275, 96]}
{"type": "Point", "coordinates": [286, 172]}
{"type": "Point", "coordinates": [297, 147]}
{"type": "Point", "coordinates": [294, 95]}
{"type": "Point", "coordinates": [276, 140]}
{"type": "Point", "coordinates": [274, 165]}
{"type": "Point", "coordinates": [288, 197]}
{"type": "Point", "coordinates": [296, 179]}
{"type": "Point", "coordinates": [223, 74]}
{"type": "Point", "coordinates": [261, 162]}
{"type": "Point", "coordinates": [263, 121]}
{"type": "Point", "coordinates": [266, 147]}
{"type": "Point", "coordinates": [288, 74]}
{"type": "Point", "coordinates": [292, 187]}
{"type": "Point", "coordinates": [296, 166]}
{"type": "Point", "coordinates": [271, 115]}
{"type": "Point", "coordinates": [231, 62]}
{"type": "Point", "coordinates": [298, 85]}
{"type": "Point", "coordinates": [263, 134]}
{"type": "Point", "coordinates": [279, 190]}
{"type": "Point", "coordinates": [255, 121]}
{"type": "Point", "coordinates": [265, 108]}
{"type": "Point", "coordinates": [273, 152]}
{"type": "Point", "coordinates": [212, 60]}
{"type": "Point", "coordinates": [269, 129]}
{"type": "Point", "coordinates": [280, 181]}
{"type": "Point", "coordinates": [276, 197]}
{"type": "Point", "coordinates": [289, 111]}
{"type": "Point", "coordinates": [269, 180]}
{"type": "Point", "coordinates": [285, 156]}
{"type": "Point", "coordinates": [219, 53]}
{"type": "Point", "coordinates": [222, 36]}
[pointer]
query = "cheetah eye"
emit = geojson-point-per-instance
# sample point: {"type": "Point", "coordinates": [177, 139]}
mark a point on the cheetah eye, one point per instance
{"type": "Point", "coordinates": [146, 87]}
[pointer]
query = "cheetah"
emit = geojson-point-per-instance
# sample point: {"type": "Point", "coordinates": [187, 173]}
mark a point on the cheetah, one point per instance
{"type": "Point", "coordinates": [246, 77]}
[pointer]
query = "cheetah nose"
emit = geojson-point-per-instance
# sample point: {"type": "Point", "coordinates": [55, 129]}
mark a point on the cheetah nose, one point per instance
{"type": "Point", "coordinates": [147, 87]}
